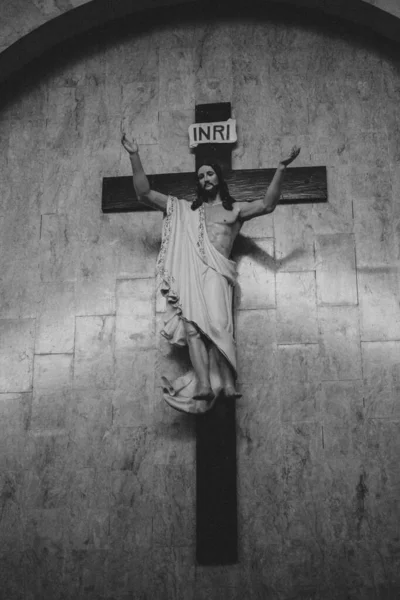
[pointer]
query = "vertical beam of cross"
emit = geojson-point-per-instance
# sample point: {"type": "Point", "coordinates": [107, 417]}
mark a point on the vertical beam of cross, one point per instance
{"type": "Point", "coordinates": [216, 489]}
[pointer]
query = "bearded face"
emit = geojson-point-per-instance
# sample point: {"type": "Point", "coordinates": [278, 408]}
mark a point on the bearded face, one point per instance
{"type": "Point", "coordinates": [208, 181]}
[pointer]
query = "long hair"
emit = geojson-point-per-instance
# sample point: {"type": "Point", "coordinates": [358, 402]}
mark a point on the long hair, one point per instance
{"type": "Point", "coordinates": [227, 200]}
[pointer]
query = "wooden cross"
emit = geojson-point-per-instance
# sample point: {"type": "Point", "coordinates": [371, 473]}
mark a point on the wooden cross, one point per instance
{"type": "Point", "coordinates": [216, 491]}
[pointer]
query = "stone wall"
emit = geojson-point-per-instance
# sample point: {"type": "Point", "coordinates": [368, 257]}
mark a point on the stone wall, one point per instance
{"type": "Point", "coordinates": [18, 18]}
{"type": "Point", "coordinates": [97, 474]}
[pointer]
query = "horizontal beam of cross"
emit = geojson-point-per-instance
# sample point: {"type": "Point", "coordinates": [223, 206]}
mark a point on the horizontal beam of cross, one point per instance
{"type": "Point", "coordinates": [302, 185]}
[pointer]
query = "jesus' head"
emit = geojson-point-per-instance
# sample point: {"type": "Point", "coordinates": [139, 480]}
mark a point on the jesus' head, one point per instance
{"type": "Point", "coordinates": [210, 182]}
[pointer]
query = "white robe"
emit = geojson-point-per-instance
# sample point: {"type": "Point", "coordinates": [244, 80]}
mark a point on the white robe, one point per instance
{"type": "Point", "coordinates": [197, 282]}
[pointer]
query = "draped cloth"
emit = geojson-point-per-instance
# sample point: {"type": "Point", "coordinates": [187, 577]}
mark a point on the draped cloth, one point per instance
{"type": "Point", "coordinates": [197, 282]}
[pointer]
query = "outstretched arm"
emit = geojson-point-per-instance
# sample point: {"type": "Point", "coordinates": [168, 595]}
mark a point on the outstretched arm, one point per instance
{"type": "Point", "coordinates": [140, 181]}
{"type": "Point", "coordinates": [249, 210]}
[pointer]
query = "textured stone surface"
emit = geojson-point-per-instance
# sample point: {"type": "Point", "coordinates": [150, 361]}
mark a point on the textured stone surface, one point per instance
{"type": "Point", "coordinates": [381, 378]}
{"type": "Point", "coordinates": [294, 245]}
{"type": "Point", "coordinates": [296, 320]}
{"type": "Point", "coordinates": [94, 362]}
{"type": "Point", "coordinates": [335, 272]}
{"type": "Point", "coordinates": [379, 303]}
{"type": "Point", "coordinates": [256, 344]}
{"type": "Point", "coordinates": [16, 355]}
{"type": "Point", "coordinates": [55, 325]}
{"type": "Point", "coordinates": [97, 484]}
{"type": "Point", "coordinates": [340, 342]}
{"type": "Point", "coordinates": [256, 279]}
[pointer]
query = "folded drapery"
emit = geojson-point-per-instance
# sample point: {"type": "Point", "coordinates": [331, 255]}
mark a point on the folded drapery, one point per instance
{"type": "Point", "coordinates": [197, 282]}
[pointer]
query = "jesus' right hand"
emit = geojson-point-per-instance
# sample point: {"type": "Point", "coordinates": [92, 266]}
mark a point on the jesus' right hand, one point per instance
{"type": "Point", "coordinates": [129, 144]}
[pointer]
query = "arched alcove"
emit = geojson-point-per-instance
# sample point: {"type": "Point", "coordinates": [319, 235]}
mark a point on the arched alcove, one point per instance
{"type": "Point", "coordinates": [43, 32]}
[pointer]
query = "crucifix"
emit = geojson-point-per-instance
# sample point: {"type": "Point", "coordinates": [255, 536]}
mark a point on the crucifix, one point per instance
{"type": "Point", "coordinates": [192, 245]}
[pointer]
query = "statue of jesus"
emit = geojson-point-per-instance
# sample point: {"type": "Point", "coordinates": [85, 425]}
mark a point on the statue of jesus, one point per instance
{"type": "Point", "coordinates": [196, 276]}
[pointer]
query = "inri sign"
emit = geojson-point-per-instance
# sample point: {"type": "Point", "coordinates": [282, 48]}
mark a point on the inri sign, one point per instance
{"type": "Point", "coordinates": [223, 132]}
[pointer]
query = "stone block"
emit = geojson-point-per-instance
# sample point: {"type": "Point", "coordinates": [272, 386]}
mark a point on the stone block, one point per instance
{"type": "Point", "coordinates": [15, 414]}
{"type": "Point", "coordinates": [47, 525]}
{"type": "Point", "coordinates": [367, 148]}
{"type": "Point", "coordinates": [96, 267]}
{"type": "Point", "coordinates": [340, 342]}
{"type": "Point", "coordinates": [261, 227]}
{"type": "Point", "coordinates": [177, 78]}
{"type": "Point", "coordinates": [376, 215]}
{"type": "Point", "coordinates": [11, 526]}
{"type": "Point", "coordinates": [131, 449]}
{"type": "Point", "coordinates": [381, 370]}
{"type": "Point", "coordinates": [215, 576]}
{"type": "Point", "coordinates": [174, 155]}
{"type": "Point", "coordinates": [88, 530]}
{"type": "Point", "coordinates": [220, 593]}
{"type": "Point", "coordinates": [94, 362]}
{"type": "Point", "coordinates": [20, 294]}
{"type": "Point", "coordinates": [49, 411]}
{"type": "Point", "coordinates": [140, 100]}
{"type": "Point", "coordinates": [134, 407]}
{"type": "Point", "coordinates": [48, 580]}
{"type": "Point", "coordinates": [139, 241]}
{"type": "Point", "coordinates": [135, 379]}
{"type": "Point", "coordinates": [378, 291]}
{"type": "Point", "coordinates": [127, 490]}
{"type": "Point", "coordinates": [48, 487]}
{"type": "Point", "coordinates": [336, 270]}
{"type": "Point", "coordinates": [343, 426]}
{"type": "Point", "coordinates": [59, 250]}
{"type": "Point", "coordinates": [135, 339]}
{"type": "Point", "coordinates": [256, 345]}
{"type": "Point", "coordinates": [19, 249]}
{"type": "Point", "coordinates": [16, 354]}
{"type": "Point", "coordinates": [135, 322]}
{"type": "Point", "coordinates": [55, 324]}
{"type": "Point", "coordinates": [294, 243]}
{"type": "Point", "coordinates": [89, 422]}
{"type": "Point", "coordinates": [129, 573]}
{"type": "Point", "coordinates": [290, 111]}
{"type": "Point", "coordinates": [64, 182]}
{"type": "Point", "coordinates": [90, 489]}
{"type": "Point", "coordinates": [131, 526]}
{"type": "Point", "coordinates": [336, 215]}
{"type": "Point", "coordinates": [382, 475]}
{"type": "Point", "coordinates": [63, 178]}
{"type": "Point", "coordinates": [12, 575]}
{"type": "Point", "coordinates": [296, 308]}
{"type": "Point", "coordinates": [175, 571]}
{"type": "Point", "coordinates": [174, 506]}
{"type": "Point", "coordinates": [53, 373]}
{"type": "Point", "coordinates": [255, 287]}
{"type": "Point", "coordinates": [298, 376]}
{"type": "Point", "coordinates": [258, 418]}
{"type": "Point", "coordinates": [175, 440]}
{"type": "Point", "coordinates": [392, 123]}
{"type": "Point", "coordinates": [122, 70]}
{"type": "Point", "coordinates": [214, 76]}
{"type": "Point", "coordinates": [302, 447]}
{"type": "Point", "coordinates": [301, 401]}
{"type": "Point", "coordinates": [85, 572]}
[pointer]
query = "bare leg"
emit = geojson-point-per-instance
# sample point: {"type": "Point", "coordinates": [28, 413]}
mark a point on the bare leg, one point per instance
{"type": "Point", "coordinates": [199, 358]}
{"type": "Point", "coordinates": [226, 374]}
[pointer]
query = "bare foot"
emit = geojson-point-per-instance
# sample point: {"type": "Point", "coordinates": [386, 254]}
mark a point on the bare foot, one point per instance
{"type": "Point", "coordinates": [204, 393]}
{"type": "Point", "coordinates": [231, 394]}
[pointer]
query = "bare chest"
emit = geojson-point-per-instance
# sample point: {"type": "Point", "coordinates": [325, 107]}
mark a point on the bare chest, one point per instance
{"type": "Point", "coordinates": [222, 227]}
{"type": "Point", "coordinates": [218, 216]}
